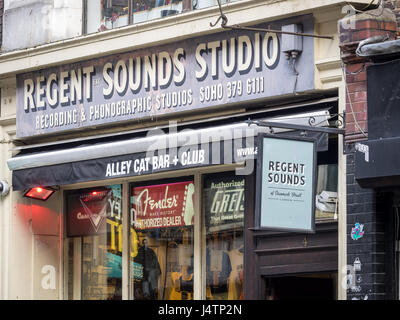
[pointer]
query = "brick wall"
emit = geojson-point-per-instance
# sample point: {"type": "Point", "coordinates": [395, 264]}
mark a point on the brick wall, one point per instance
{"type": "Point", "coordinates": [364, 206]}
{"type": "Point", "coordinates": [394, 6]}
{"type": "Point", "coordinates": [369, 208]}
{"type": "Point", "coordinates": [360, 27]}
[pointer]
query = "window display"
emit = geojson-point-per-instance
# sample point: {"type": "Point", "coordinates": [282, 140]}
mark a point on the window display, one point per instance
{"type": "Point", "coordinates": [161, 245]}
{"type": "Point", "coordinates": [94, 216]}
{"type": "Point", "coordinates": [224, 216]}
{"type": "Point", "coordinates": [326, 200]}
{"type": "Point", "coordinates": [162, 218]}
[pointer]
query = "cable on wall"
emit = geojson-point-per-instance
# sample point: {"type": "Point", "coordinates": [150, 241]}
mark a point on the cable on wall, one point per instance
{"type": "Point", "coordinates": [224, 25]}
{"type": "Point", "coordinates": [351, 104]}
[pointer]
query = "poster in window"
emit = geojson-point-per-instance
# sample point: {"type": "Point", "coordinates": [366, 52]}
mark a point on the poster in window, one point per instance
{"type": "Point", "coordinates": [286, 172]}
{"type": "Point", "coordinates": [224, 203]}
{"type": "Point", "coordinates": [89, 210]}
{"type": "Point", "coordinates": [163, 205]}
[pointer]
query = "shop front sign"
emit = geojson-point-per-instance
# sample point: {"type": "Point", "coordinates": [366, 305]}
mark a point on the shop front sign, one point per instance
{"type": "Point", "coordinates": [224, 203]}
{"type": "Point", "coordinates": [163, 206]}
{"type": "Point", "coordinates": [286, 178]}
{"type": "Point", "coordinates": [94, 211]}
{"type": "Point", "coordinates": [211, 71]}
{"type": "Point", "coordinates": [141, 163]}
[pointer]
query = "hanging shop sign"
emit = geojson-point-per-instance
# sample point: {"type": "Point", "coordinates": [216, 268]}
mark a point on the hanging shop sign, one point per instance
{"type": "Point", "coordinates": [224, 202]}
{"type": "Point", "coordinates": [286, 177]}
{"type": "Point", "coordinates": [163, 206]}
{"type": "Point", "coordinates": [209, 71]}
{"type": "Point", "coordinates": [94, 211]}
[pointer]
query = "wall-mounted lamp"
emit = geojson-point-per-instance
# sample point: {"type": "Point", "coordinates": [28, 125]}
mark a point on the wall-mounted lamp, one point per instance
{"type": "Point", "coordinates": [4, 188]}
{"type": "Point", "coordinates": [39, 193]}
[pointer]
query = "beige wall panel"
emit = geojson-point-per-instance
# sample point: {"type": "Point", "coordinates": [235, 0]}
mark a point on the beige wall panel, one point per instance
{"type": "Point", "coordinates": [20, 249]}
{"type": "Point", "coordinates": [7, 132]}
{"type": "Point", "coordinates": [8, 98]}
{"type": "Point", "coordinates": [46, 268]}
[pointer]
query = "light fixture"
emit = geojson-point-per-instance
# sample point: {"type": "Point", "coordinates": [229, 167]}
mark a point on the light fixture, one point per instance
{"type": "Point", "coordinates": [39, 193]}
{"type": "Point", "coordinates": [94, 195]}
{"type": "Point", "coordinates": [4, 188]}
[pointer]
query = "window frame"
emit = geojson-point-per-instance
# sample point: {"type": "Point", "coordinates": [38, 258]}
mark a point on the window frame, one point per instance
{"type": "Point", "coordinates": [199, 291]}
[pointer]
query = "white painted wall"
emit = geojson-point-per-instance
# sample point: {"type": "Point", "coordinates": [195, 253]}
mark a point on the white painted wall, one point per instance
{"type": "Point", "coordinates": [30, 23]}
{"type": "Point", "coordinates": [30, 251]}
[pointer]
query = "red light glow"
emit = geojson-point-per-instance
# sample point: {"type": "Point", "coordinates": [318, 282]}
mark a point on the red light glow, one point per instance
{"type": "Point", "coordinates": [94, 195]}
{"type": "Point", "coordinates": [39, 193]}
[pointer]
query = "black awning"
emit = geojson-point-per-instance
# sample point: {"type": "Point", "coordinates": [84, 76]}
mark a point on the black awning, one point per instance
{"type": "Point", "coordinates": [143, 155]}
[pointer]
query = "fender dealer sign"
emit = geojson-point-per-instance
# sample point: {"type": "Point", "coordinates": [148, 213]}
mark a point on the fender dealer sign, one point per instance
{"type": "Point", "coordinates": [163, 206]}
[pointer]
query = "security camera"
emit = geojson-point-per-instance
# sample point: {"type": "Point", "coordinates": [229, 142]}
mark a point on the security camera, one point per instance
{"type": "Point", "coordinates": [4, 188]}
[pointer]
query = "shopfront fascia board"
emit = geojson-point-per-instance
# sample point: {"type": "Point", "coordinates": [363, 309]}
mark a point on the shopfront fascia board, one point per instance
{"type": "Point", "coordinates": [158, 32]}
{"type": "Point", "coordinates": [197, 75]}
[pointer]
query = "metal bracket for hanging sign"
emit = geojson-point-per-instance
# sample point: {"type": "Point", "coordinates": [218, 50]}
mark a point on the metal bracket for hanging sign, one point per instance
{"type": "Point", "coordinates": [224, 25]}
{"type": "Point", "coordinates": [273, 124]}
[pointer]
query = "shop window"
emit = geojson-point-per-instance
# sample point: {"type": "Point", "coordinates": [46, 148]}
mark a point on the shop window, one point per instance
{"type": "Point", "coordinates": [326, 204]}
{"type": "Point", "coordinates": [104, 15]}
{"type": "Point", "coordinates": [94, 243]}
{"type": "Point", "coordinates": [162, 248]}
{"type": "Point", "coordinates": [223, 199]}
{"type": "Point", "coordinates": [162, 245]}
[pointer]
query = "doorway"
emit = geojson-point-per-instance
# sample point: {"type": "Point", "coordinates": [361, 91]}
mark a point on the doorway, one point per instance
{"type": "Point", "coordinates": [302, 287]}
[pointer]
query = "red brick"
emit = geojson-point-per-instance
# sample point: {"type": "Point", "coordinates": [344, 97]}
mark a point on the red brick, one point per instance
{"type": "Point", "coordinates": [358, 86]}
{"type": "Point", "coordinates": [367, 24]}
{"type": "Point", "coordinates": [352, 116]}
{"type": "Point", "coordinates": [357, 106]}
{"type": "Point", "coordinates": [360, 96]}
{"type": "Point", "coordinates": [391, 26]}
{"type": "Point", "coordinates": [350, 128]}
{"type": "Point", "coordinates": [362, 76]}
{"type": "Point", "coordinates": [355, 67]}
{"type": "Point", "coordinates": [361, 116]}
{"type": "Point", "coordinates": [365, 34]}
{"type": "Point", "coordinates": [349, 117]}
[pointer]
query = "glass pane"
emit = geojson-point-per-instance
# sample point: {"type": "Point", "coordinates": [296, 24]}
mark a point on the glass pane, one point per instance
{"type": "Point", "coordinates": [95, 216]}
{"type": "Point", "coordinates": [326, 198]}
{"type": "Point", "coordinates": [144, 10]}
{"type": "Point", "coordinates": [106, 14]}
{"type": "Point", "coordinates": [200, 4]}
{"type": "Point", "coordinates": [162, 241]}
{"type": "Point", "coordinates": [223, 198]}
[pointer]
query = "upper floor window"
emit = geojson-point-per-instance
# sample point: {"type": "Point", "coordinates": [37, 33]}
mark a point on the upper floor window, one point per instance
{"type": "Point", "coordinates": [101, 15]}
